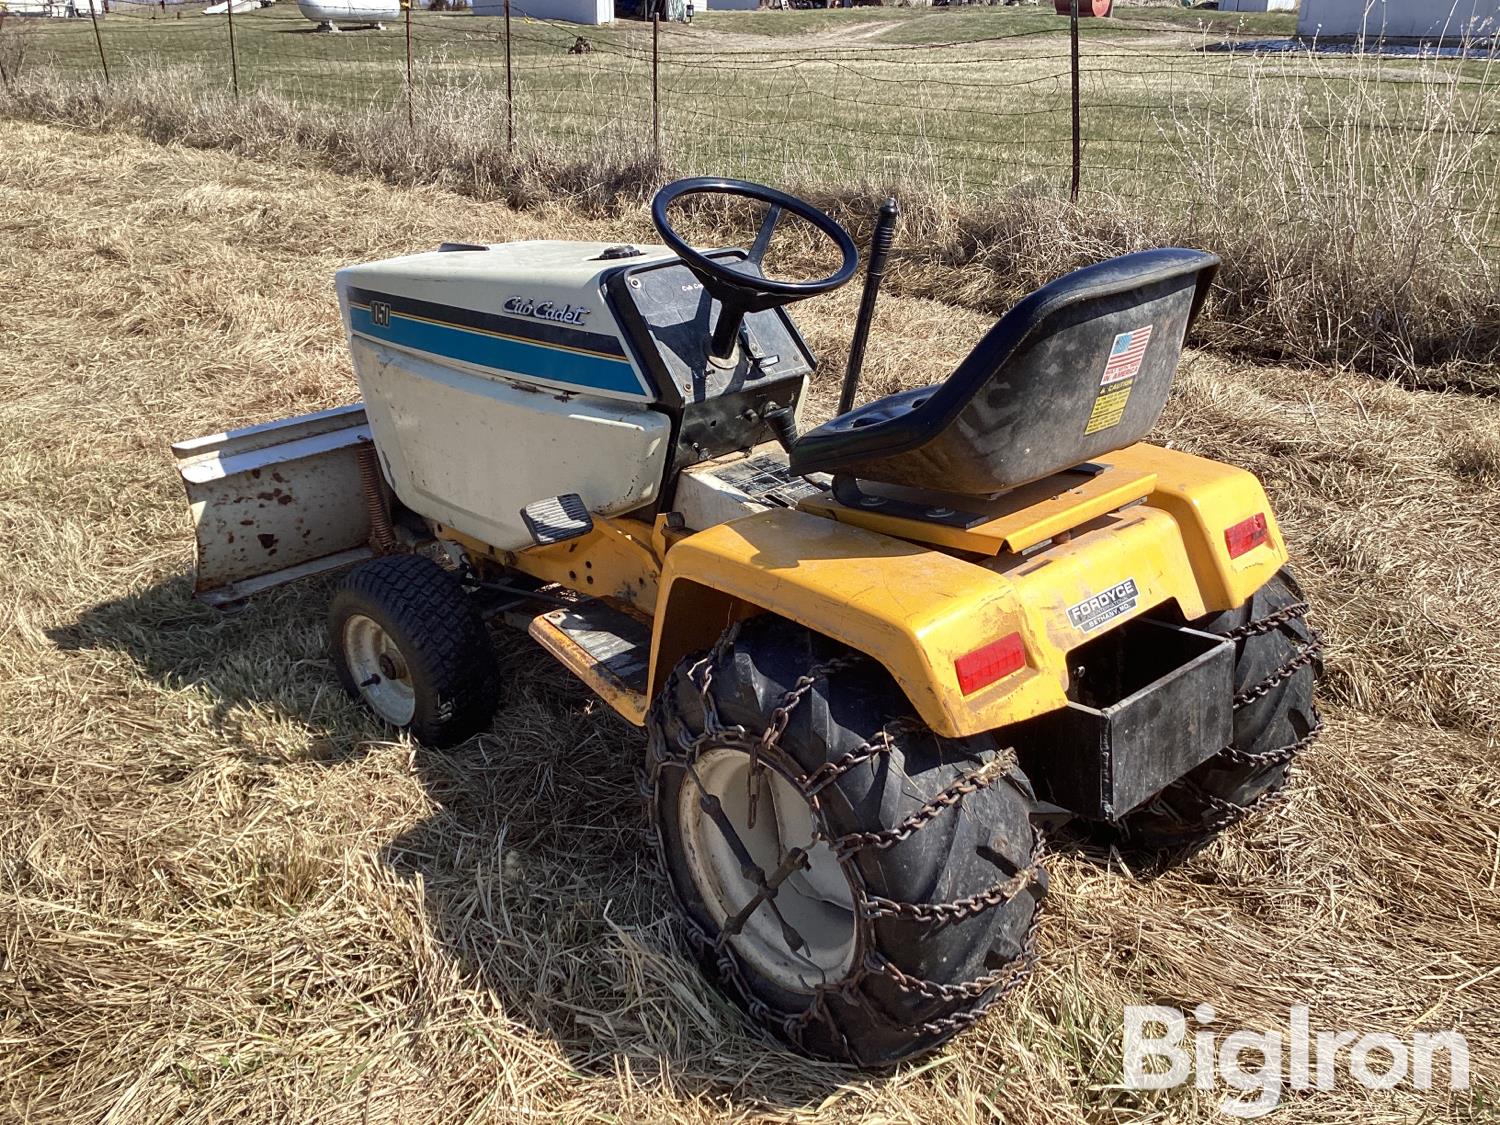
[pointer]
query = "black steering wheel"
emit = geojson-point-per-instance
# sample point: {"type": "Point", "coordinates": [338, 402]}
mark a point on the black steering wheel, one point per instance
{"type": "Point", "coordinates": [741, 286]}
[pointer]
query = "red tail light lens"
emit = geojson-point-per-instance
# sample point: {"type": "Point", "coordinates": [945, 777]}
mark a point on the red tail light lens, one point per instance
{"type": "Point", "coordinates": [984, 666]}
{"type": "Point", "coordinates": [1246, 535]}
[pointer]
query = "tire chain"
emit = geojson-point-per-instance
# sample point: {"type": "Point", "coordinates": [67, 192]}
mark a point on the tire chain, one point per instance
{"type": "Point", "coordinates": [1273, 757]}
{"type": "Point", "coordinates": [1306, 654]}
{"type": "Point", "coordinates": [946, 912]}
{"type": "Point", "coordinates": [971, 782]}
{"type": "Point", "coordinates": [987, 988]}
{"type": "Point", "coordinates": [1271, 621]}
{"type": "Point", "coordinates": [1228, 811]}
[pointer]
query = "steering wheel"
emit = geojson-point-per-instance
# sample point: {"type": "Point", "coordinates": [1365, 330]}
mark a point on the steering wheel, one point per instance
{"type": "Point", "coordinates": [742, 287]}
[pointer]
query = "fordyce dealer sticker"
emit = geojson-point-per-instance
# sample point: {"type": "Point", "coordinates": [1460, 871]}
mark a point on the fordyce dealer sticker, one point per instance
{"type": "Point", "coordinates": [1093, 612]}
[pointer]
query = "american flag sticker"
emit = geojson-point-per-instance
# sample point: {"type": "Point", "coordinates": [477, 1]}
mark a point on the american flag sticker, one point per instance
{"type": "Point", "coordinates": [1125, 355]}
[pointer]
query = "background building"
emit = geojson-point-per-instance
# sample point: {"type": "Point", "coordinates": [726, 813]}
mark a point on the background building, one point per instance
{"type": "Point", "coordinates": [1428, 20]}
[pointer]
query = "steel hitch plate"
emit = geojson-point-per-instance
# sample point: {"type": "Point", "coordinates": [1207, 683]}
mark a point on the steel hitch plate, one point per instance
{"type": "Point", "coordinates": [1147, 703]}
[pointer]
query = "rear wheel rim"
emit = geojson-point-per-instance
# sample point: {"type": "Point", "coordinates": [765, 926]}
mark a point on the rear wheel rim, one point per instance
{"type": "Point", "coordinates": [379, 670]}
{"type": "Point", "coordinates": [816, 902]}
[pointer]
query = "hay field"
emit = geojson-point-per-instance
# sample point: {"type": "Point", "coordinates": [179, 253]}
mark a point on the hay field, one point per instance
{"type": "Point", "coordinates": [961, 99]}
{"type": "Point", "coordinates": [225, 896]}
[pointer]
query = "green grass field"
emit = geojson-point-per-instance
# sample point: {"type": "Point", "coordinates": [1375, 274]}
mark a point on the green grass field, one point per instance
{"type": "Point", "coordinates": [968, 100]}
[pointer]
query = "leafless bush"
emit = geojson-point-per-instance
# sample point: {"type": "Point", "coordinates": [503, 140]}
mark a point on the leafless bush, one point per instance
{"type": "Point", "coordinates": [1355, 226]}
{"type": "Point", "coordinates": [459, 141]}
{"type": "Point", "coordinates": [15, 35]}
{"type": "Point", "coordinates": [1360, 242]}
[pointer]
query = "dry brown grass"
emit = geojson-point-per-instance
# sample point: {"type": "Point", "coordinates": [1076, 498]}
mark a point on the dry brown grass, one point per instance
{"type": "Point", "coordinates": [226, 896]}
{"type": "Point", "coordinates": [1372, 245]}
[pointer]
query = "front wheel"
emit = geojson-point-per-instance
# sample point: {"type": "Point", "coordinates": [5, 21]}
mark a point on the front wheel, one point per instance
{"type": "Point", "coordinates": [408, 644]}
{"type": "Point", "coordinates": [862, 887]}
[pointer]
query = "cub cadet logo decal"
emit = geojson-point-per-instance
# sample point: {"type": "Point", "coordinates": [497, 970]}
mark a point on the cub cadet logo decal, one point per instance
{"type": "Point", "coordinates": [561, 314]}
{"type": "Point", "coordinates": [380, 314]}
{"type": "Point", "coordinates": [1093, 612]}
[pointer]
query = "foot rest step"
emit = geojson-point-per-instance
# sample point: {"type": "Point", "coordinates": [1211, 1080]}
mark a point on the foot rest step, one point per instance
{"type": "Point", "coordinates": [605, 648]}
{"type": "Point", "coordinates": [557, 519]}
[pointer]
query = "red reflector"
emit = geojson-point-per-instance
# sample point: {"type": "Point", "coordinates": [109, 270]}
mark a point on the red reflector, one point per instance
{"type": "Point", "coordinates": [1245, 535]}
{"type": "Point", "coordinates": [985, 665]}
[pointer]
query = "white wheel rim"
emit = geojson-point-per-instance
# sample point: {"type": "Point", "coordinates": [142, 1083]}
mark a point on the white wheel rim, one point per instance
{"type": "Point", "coordinates": [379, 670]}
{"type": "Point", "coordinates": [817, 902]}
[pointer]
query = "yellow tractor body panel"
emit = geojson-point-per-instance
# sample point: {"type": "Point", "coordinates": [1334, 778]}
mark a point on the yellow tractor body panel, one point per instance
{"type": "Point", "coordinates": [1206, 498]}
{"type": "Point", "coordinates": [914, 609]}
{"type": "Point", "coordinates": [1019, 519]}
{"type": "Point", "coordinates": [918, 610]}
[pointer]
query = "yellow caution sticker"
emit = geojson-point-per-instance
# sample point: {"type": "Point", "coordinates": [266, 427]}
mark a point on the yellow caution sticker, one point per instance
{"type": "Point", "coordinates": [1109, 406]}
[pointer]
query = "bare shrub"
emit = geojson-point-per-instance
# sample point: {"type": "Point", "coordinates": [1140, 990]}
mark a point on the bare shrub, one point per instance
{"type": "Point", "coordinates": [15, 35]}
{"type": "Point", "coordinates": [1353, 225]}
{"type": "Point", "coordinates": [459, 142]}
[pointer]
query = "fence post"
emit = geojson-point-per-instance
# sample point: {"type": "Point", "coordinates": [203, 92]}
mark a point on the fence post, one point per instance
{"type": "Point", "coordinates": [234, 62]}
{"type": "Point", "coordinates": [411, 120]}
{"type": "Point", "coordinates": [510, 93]}
{"type": "Point", "coordinates": [656, 80]}
{"type": "Point", "coordinates": [1077, 127]}
{"type": "Point", "coordinates": [98, 41]}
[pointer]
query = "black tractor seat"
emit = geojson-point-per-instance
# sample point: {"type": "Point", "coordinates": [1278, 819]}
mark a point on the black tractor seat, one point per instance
{"type": "Point", "coordinates": [1079, 368]}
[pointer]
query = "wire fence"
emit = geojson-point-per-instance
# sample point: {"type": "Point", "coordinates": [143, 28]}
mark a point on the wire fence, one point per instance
{"type": "Point", "coordinates": [979, 100]}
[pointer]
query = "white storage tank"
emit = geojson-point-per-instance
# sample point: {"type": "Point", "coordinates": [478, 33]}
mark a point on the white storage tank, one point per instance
{"type": "Point", "coordinates": [571, 11]}
{"type": "Point", "coordinates": [1257, 5]}
{"type": "Point", "coordinates": [1448, 21]}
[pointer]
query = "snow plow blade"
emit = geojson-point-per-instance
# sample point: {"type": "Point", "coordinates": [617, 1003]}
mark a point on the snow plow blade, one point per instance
{"type": "Point", "coordinates": [276, 502]}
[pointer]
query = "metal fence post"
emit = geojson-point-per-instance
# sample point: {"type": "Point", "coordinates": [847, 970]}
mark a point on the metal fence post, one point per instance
{"type": "Point", "coordinates": [510, 93]}
{"type": "Point", "coordinates": [234, 62]}
{"type": "Point", "coordinates": [98, 41]}
{"type": "Point", "coordinates": [1077, 127]}
{"type": "Point", "coordinates": [656, 80]}
{"type": "Point", "coordinates": [411, 120]}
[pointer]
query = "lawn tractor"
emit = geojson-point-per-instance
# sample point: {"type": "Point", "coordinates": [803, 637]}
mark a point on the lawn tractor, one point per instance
{"type": "Point", "coordinates": [868, 656]}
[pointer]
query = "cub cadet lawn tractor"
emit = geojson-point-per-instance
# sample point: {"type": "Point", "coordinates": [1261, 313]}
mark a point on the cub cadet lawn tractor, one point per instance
{"type": "Point", "coordinates": [865, 655]}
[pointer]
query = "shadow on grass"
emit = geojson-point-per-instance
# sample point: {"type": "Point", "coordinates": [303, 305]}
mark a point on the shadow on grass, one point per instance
{"type": "Point", "coordinates": [268, 660]}
{"type": "Point", "coordinates": [534, 870]}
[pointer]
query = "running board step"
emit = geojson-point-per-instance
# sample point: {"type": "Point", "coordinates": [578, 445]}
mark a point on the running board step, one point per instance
{"type": "Point", "coordinates": [607, 649]}
{"type": "Point", "coordinates": [557, 519]}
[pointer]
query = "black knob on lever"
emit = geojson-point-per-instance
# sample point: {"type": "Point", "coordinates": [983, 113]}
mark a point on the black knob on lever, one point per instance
{"type": "Point", "coordinates": [783, 423]}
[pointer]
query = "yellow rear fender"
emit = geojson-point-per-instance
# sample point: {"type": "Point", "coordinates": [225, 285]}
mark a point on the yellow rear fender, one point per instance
{"type": "Point", "coordinates": [914, 609]}
{"type": "Point", "coordinates": [921, 612]}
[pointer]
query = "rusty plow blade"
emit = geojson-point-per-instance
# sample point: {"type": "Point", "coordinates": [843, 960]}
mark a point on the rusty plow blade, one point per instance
{"type": "Point", "coordinates": [276, 502]}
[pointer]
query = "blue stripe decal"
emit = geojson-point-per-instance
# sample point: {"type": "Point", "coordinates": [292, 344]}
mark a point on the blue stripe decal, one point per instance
{"type": "Point", "coordinates": [559, 365]}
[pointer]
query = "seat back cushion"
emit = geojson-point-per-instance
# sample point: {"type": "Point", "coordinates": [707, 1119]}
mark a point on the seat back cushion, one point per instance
{"type": "Point", "coordinates": [1079, 368]}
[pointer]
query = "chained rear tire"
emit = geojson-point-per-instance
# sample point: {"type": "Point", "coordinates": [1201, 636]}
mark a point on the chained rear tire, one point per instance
{"type": "Point", "coordinates": [408, 643]}
{"type": "Point", "coordinates": [917, 906]}
{"type": "Point", "coordinates": [1276, 667]}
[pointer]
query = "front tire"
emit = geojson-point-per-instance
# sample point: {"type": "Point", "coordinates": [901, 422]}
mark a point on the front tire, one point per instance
{"type": "Point", "coordinates": [885, 890]}
{"type": "Point", "coordinates": [407, 643]}
{"type": "Point", "coordinates": [1277, 663]}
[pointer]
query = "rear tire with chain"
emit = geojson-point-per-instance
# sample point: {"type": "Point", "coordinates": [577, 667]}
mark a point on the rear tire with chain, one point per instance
{"type": "Point", "coordinates": [916, 905]}
{"type": "Point", "coordinates": [408, 643]}
{"type": "Point", "coordinates": [1276, 666]}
